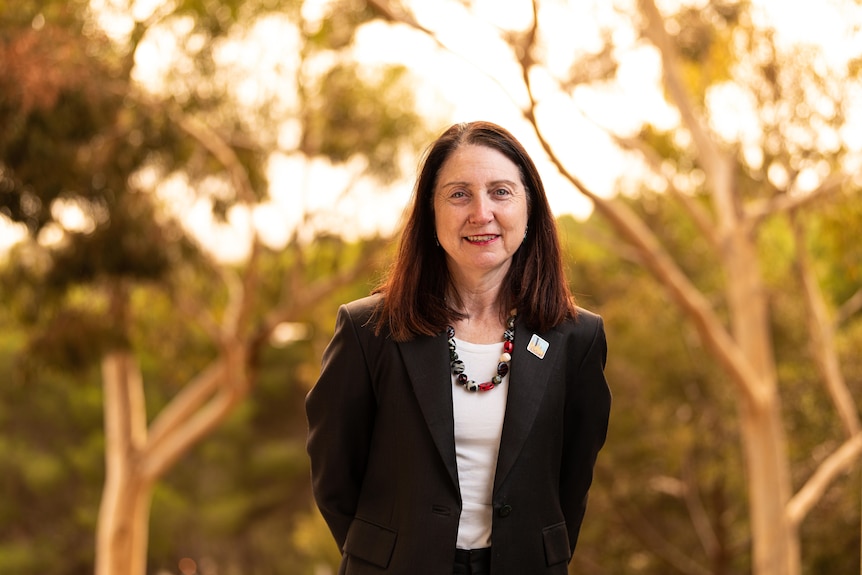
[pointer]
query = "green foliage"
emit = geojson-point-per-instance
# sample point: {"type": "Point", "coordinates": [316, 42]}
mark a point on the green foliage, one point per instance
{"type": "Point", "coordinates": [73, 340]}
{"type": "Point", "coordinates": [49, 122]}
{"type": "Point", "coordinates": [673, 444]}
{"type": "Point", "coordinates": [835, 242]}
{"type": "Point", "coordinates": [703, 37]}
{"type": "Point", "coordinates": [233, 501]}
{"type": "Point", "coordinates": [661, 142]}
{"type": "Point", "coordinates": [80, 134]}
{"type": "Point", "coordinates": [672, 429]}
{"type": "Point", "coordinates": [347, 112]}
{"type": "Point", "coordinates": [51, 454]}
{"type": "Point", "coordinates": [240, 500]}
{"type": "Point", "coordinates": [669, 429]}
{"type": "Point", "coordinates": [338, 29]}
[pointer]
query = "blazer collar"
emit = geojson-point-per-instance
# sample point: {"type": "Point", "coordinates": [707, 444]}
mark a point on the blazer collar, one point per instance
{"type": "Point", "coordinates": [427, 362]}
{"type": "Point", "coordinates": [528, 380]}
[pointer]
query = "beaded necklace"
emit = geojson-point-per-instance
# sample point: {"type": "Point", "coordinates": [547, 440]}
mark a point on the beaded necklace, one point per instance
{"type": "Point", "coordinates": [502, 368]}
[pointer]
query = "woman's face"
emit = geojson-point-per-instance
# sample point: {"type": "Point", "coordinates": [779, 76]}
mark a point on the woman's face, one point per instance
{"type": "Point", "coordinates": [480, 208]}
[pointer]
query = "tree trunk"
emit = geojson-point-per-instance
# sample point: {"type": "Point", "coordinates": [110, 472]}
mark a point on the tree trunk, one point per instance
{"type": "Point", "coordinates": [121, 546]}
{"type": "Point", "coordinates": [775, 539]}
{"type": "Point", "coordinates": [121, 539]}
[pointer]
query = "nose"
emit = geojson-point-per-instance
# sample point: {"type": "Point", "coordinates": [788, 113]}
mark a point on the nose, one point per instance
{"type": "Point", "coordinates": [481, 209]}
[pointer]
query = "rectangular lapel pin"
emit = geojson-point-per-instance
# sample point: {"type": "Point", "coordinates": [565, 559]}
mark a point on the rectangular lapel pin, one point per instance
{"type": "Point", "coordinates": [538, 346]}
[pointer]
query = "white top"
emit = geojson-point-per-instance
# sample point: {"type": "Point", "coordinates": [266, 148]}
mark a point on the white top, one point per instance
{"type": "Point", "coordinates": [478, 426]}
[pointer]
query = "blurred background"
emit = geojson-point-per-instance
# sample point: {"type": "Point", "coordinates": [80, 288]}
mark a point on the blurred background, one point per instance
{"type": "Point", "coordinates": [190, 188]}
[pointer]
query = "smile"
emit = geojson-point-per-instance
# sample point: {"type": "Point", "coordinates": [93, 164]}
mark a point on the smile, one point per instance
{"type": "Point", "coordinates": [481, 239]}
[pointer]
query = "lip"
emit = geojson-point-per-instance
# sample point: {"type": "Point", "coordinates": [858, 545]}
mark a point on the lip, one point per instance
{"type": "Point", "coordinates": [481, 239]}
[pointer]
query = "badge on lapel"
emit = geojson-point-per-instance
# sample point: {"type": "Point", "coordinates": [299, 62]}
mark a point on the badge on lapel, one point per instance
{"type": "Point", "coordinates": [538, 346]}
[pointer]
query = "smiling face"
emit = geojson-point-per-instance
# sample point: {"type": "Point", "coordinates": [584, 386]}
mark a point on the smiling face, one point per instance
{"type": "Point", "coordinates": [481, 211]}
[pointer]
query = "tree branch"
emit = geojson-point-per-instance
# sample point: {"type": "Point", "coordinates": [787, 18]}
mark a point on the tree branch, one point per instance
{"type": "Point", "coordinates": [320, 289]}
{"type": "Point", "coordinates": [823, 337]}
{"type": "Point", "coordinates": [849, 308]}
{"type": "Point", "coordinates": [228, 379]}
{"type": "Point", "coordinates": [784, 203]}
{"type": "Point", "coordinates": [840, 461]}
{"type": "Point", "coordinates": [697, 512]}
{"type": "Point", "coordinates": [398, 15]}
{"type": "Point", "coordinates": [690, 300]}
{"type": "Point", "coordinates": [221, 151]}
{"type": "Point", "coordinates": [125, 419]}
{"type": "Point", "coordinates": [659, 544]}
{"type": "Point", "coordinates": [183, 405]}
{"type": "Point", "coordinates": [201, 423]}
{"type": "Point", "coordinates": [701, 217]}
{"type": "Point", "coordinates": [715, 164]}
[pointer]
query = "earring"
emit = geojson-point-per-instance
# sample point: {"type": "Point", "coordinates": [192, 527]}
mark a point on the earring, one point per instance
{"type": "Point", "coordinates": [436, 241]}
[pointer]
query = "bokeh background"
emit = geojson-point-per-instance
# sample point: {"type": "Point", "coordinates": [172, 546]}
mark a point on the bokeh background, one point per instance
{"type": "Point", "coordinates": [190, 188]}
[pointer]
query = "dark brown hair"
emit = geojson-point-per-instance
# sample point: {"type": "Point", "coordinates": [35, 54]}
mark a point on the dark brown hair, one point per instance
{"type": "Point", "coordinates": [414, 292]}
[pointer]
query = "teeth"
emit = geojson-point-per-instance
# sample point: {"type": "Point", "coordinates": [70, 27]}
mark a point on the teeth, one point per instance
{"type": "Point", "coordinates": [480, 238]}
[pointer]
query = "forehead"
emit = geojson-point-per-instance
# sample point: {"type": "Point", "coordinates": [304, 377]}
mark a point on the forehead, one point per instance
{"type": "Point", "coordinates": [475, 164]}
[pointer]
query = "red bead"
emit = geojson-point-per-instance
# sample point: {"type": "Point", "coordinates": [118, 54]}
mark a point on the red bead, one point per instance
{"type": "Point", "coordinates": [486, 386]}
{"type": "Point", "coordinates": [508, 346]}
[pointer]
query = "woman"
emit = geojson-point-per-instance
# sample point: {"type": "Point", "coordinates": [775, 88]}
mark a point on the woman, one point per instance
{"type": "Point", "coordinates": [460, 408]}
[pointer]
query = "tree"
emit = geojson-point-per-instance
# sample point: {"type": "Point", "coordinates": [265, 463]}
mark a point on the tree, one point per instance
{"type": "Point", "coordinates": [86, 137]}
{"type": "Point", "coordinates": [786, 165]}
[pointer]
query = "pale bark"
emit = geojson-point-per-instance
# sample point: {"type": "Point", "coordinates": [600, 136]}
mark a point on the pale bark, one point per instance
{"type": "Point", "coordinates": [135, 460]}
{"type": "Point", "coordinates": [137, 457]}
{"type": "Point", "coordinates": [656, 259]}
{"type": "Point", "coordinates": [775, 540]}
{"type": "Point", "coordinates": [632, 228]}
{"type": "Point", "coordinates": [185, 404]}
{"type": "Point", "coordinates": [839, 461]}
{"type": "Point", "coordinates": [121, 539]}
{"type": "Point", "coordinates": [194, 416]}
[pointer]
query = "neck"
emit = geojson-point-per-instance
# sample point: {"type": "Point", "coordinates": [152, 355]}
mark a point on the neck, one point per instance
{"type": "Point", "coordinates": [478, 302]}
{"type": "Point", "coordinates": [483, 322]}
{"type": "Point", "coordinates": [478, 293]}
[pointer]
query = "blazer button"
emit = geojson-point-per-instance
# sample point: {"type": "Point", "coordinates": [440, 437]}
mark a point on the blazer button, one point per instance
{"type": "Point", "coordinates": [504, 511]}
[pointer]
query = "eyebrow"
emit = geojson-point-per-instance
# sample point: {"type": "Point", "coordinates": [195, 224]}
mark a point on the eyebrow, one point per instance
{"type": "Point", "coordinates": [468, 184]}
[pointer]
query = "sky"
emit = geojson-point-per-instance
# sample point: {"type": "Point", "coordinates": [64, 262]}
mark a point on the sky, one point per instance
{"type": "Point", "coordinates": [468, 81]}
{"type": "Point", "coordinates": [473, 79]}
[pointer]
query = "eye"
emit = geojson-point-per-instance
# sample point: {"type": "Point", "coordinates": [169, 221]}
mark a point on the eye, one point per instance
{"type": "Point", "coordinates": [501, 192]}
{"type": "Point", "coordinates": [458, 194]}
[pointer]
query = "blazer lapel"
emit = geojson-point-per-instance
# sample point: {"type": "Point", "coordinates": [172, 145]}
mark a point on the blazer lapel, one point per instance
{"type": "Point", "coordinates": [528, 380]}
{"type": "Point", "coordinates": [427, 363]}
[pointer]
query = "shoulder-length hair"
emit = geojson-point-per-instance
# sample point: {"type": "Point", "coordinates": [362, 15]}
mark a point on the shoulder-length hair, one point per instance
{"type": "Point", "coordinates": [415, 290]}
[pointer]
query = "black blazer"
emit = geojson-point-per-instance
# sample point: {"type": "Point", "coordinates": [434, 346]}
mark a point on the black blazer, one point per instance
{"type": "Point", "coordinates": [382, 448]}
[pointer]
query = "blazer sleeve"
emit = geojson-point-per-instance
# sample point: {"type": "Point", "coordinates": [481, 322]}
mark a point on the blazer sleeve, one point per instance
{"type": "Point", "coordinates": [341, 410]}
{"type": "Point", "coordinates": [588, 402]}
